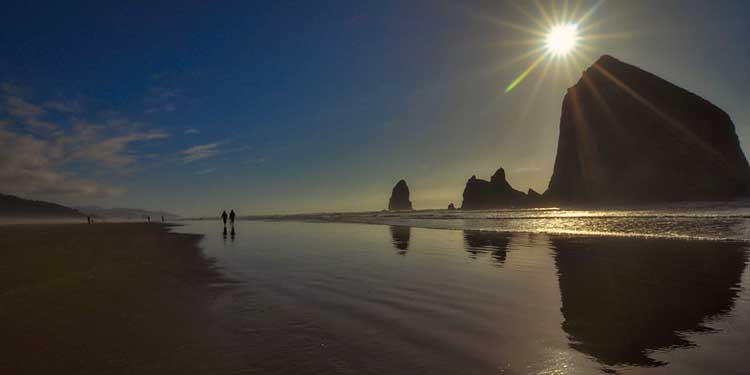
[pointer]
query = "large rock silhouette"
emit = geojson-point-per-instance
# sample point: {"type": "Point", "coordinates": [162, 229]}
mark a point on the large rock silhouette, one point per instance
{"type": "Point", "coordinates": [628, 136]}
{"type": "Point", "coordinates": [495, 193]}
{"type": "Point", "coordinates": [400, 197]}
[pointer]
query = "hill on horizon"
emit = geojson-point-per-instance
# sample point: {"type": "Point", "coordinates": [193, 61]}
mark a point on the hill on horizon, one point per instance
{"type": "Point", "coordinates": [13, 206]}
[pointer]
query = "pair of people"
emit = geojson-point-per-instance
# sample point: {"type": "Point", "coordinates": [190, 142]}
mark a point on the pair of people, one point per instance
{"type": "Point", "coordinates": [231, 217]}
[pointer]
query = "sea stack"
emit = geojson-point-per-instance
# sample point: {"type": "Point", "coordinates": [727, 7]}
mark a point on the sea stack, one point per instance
{"type": "Point", "coordinates": [451, 207]}
{"type": "Point", "coordinates": [628, 136]}
{"type": "Point", "coordinates": [495, 193]}
{"type": "Point", "coordinates": [400, 197]}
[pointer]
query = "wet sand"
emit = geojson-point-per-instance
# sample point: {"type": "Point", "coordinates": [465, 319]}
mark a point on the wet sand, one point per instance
{"type": "Point", "coordinates": [104, 298]}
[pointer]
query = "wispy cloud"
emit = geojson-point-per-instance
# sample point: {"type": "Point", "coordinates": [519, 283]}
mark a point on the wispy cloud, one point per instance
{"type": "Point", "coordinates": [190, 131]}
{"type": "Point", "coordinates": [111, 152]}
{"type": "Point", "coordinates": [255, 161]}
{"type": "Point", "coordinates": [205, 171]}
{"type": "Point", "coordinates": [37, 156]}
{"type": "Point", "coordinates": [200, 152]}
{"type": "Point", "coordinates": [66, 106]}
{"type": "Point", "coordinates": [34, 167]}
{"type": "Point", "coordinates": [160, 99]}
{"type": "Point", "coordinates": [164, 108]}
{"type": "Point", "coordinates": [28, 113]}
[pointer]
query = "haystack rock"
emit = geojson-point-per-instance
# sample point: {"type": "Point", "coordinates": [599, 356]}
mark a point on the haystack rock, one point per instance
{"type": "Point", "coordinates": [495, 193]}
{"type": "Point", "coordinates": [628, 136]}
{"type": "Point", "coordinates": [400, 197]}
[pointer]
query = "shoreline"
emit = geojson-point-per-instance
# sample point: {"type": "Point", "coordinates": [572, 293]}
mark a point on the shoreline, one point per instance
{"type": "Point", "coordinates": [559, 233]}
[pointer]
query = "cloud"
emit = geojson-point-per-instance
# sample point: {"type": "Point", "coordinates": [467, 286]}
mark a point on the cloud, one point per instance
{"type": "Point", "coordinates": [255, 161]}
{"type": "Point", "coordinates": [26, 112]}
{"type": "Point", "coordinates": [37, 157]}
{"type": "Point", "coordinates": [111, 152]}
{"type": "Point", "coordinates": [33, 167]}
{"type": "Point", "coordinates": [66, 106]}
{"type": "Point", "coordinates": [189, 131]}
{"type": "Point", "coordinates": [165, 108]}
{"type": "Point", "coordinates": [205, 171]}
{"type": "Point", "coordinates": [199, 152]}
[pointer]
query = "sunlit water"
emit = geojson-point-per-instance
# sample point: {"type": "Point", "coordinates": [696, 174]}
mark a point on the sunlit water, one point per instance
{"type": "Point", "coordinates": [703, 221]}
{"type": "Point", "coordinates": [337, 298]}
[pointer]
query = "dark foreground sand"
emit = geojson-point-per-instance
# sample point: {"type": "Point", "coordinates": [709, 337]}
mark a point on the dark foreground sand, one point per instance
{"type": "Point", "coordinates": [104, 299]}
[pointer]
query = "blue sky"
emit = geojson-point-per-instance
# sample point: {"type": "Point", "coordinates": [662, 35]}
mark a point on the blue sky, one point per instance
{"type": "Point", "coordinates": [286, 106]}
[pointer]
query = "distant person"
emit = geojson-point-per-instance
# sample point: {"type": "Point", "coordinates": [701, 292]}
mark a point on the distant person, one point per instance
{"type": "Point", "coordinates": [89, 219]}
{"type": "Point", "coordinates": [148, 218]}
{"type": "Point", "coordinates": [224, 218]}
{"type": "Point", "coordinates": [231, 217]}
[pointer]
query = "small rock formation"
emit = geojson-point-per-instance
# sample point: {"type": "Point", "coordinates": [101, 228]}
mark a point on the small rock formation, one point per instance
{"type": "Point", "coordinates": [532, 194]}
{"type": "Point", "coordinates": [400, 197]}
{"type": "Point", "coordinates": [534, 199]}
{"type": "Point", "coordinates": [628, 136]}
{"type": "Point", "coordinates": [451, 207]}
{"type": "Point", "coordinates": [496, 193]}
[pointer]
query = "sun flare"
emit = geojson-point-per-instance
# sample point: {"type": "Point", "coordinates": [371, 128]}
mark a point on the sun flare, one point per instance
{"type": "Point", "coordinates": [562, 39]}
{"type": "Point", "coordinates": [561, 36]}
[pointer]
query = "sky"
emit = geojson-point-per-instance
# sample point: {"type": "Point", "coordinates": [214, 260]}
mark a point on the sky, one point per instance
{"type": "Point", "coordinates": [194, 107]}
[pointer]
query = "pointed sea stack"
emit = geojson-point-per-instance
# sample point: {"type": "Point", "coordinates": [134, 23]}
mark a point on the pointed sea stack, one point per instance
{"type": "Point", "coordinates": [628, 136]}
{"type": "Point", "coordinates": [496, 193]}
{"type": "Point", "coordinates": [400, 197]}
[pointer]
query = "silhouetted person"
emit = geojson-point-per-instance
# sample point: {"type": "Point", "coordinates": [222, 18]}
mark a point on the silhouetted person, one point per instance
{"type": "Point", "coordinates": [224, 218]}
{"type": "Point", "coordinates": [231, 218]}
{"type": "Point", "coordinates": [89, 219]}
{"type": "Point", "coordinates": [148, 218]}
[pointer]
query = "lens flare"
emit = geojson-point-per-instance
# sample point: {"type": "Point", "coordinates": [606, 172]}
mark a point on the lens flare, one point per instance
{"type": "Point", "coordinates": [560, 34]}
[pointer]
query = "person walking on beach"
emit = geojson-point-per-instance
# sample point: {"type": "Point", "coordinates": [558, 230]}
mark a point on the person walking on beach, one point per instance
{"type": "Point", "coordinates": [148, 218]}
{"type": "Point", "coordinates": [224, 217]}
{"type": "Point", "coordinates": [231, 217]}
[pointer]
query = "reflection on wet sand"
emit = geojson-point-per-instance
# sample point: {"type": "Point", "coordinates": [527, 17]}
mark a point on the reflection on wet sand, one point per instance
{"type": "Point", "coordinates": [401, 235]}
{"type": "Point", "coordinates": [480, 242]}
{"type": "Point", "coordinates": [624, 298]}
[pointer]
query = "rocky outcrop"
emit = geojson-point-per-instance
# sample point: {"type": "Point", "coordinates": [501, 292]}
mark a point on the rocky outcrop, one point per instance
{"type": "Point", "coordinates": [532, 194]}
{"type": "Point", "coordinates": [451, 207]}
{"type": "Point", "coordinates": [628, 136]}
{"type": "Point", "coordinates": [400, 197]}
{"type": "Point", "coordinates": [496, 193]}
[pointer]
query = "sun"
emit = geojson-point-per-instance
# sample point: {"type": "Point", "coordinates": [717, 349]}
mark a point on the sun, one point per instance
{"type": "Point", "coordinates": [561, 39]}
